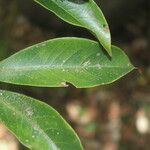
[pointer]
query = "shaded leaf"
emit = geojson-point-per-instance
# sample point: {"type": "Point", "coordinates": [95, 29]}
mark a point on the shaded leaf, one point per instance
{"type": "Point", "coordinates": [35, 124]}
{"type": "Point", "coordinates": [52, 63]}
{"type": "Point", "coordinates": [83, 13]}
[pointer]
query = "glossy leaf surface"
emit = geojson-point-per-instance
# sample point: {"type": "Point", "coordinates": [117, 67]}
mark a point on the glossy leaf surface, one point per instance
{"type": "Point", "coordinates": [35, 124]}
{"type": "Point", "coordinates": [83, 13]}
{"type": "Point", "coordinates": [80, 62]}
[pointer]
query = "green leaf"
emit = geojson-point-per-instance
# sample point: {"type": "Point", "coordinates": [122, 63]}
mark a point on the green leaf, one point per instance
{"type": "Point", "coordinates": [83, 13]}
{"type": "Point", "coordinates": [35, 124]}
{"type": "Point", "coordinates": [52, 63]}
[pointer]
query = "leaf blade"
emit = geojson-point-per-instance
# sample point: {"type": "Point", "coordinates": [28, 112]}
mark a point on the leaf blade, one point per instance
{"type": "Point", "coordinates": [35, 124]}
{"type": "Point", "coordinates": [83, 13]}
{"type": "Point", "coordinates": [80, 62]}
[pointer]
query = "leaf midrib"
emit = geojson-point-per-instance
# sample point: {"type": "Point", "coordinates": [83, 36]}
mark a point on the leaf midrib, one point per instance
{"type": "Point", "coordinates": [59, 67]}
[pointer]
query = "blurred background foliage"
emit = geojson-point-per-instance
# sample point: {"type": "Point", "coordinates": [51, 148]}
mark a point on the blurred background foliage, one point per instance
{"type": "Point", "coordinates": [112, 117]}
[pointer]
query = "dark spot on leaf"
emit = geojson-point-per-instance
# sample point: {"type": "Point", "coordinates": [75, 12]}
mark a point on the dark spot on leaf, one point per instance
{"type": "Point", "coordinates": [104, 25]}
{"type": "Point", "coordinates": [105, 28]}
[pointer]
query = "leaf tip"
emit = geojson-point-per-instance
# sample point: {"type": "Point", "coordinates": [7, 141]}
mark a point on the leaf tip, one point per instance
{"type": "Point", "coordinates": [108, 50]}
{"type": "Point", "coordinates": [106, 44]}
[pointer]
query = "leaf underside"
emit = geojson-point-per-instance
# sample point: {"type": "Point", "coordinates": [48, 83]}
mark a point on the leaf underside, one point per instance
{"type": "Point", "coordinates": [83, 13]}
{"type": "Point", "coordinates": [35, 124]}
{"type": "Point", "coordinates": [52, 63]}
